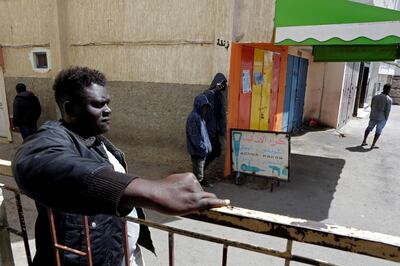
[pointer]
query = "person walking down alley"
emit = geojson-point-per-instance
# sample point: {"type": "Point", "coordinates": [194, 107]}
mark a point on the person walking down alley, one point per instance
{"type": "Point", "coordinates": [197, 140]}
{"type": "Point", "coordinates": [70, 167]}
{"type": "Point", "coordinates": [380, 110]}
{"type": "Point", "coordinates": [26, 111]}
{"type": "Point", "coordinates": [215, 116]}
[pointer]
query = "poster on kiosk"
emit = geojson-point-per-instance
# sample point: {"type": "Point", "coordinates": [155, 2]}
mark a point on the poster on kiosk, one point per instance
{"type": "Point", "coordinates": [261, 153]}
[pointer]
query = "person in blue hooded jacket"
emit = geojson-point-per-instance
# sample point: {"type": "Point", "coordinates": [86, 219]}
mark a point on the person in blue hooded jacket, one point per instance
{"type": "Point", "coordinates": [215, 116]}
{"type": "Point", "coordinates": [198, 143]}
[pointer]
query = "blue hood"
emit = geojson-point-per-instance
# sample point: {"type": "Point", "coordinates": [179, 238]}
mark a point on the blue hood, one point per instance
{"type": "Point", "coordinates": [199, 101]}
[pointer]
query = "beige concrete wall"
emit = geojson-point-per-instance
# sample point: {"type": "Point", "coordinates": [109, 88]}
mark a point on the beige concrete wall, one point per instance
{"type": "Point", "coordinates": [331, 94]}
{"type": "Point", "coordinates": [151, 117]}
{"type": "Point", "coordinates": [323, 92]}
{"type": "Point", "coordinates": [314, 89]}
{"type": "Point", "coordinates": [26, 25]}
{"type": "Point", "coordinates": [157, 55]}
{"type": "Point", "coordinates": [253, 20]}
{"type": "Point", "coordinates": [150, 41]}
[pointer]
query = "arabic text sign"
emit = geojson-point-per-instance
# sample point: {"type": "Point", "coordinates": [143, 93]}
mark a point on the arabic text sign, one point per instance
{"type": "Point", "coordinates": [261, 153]}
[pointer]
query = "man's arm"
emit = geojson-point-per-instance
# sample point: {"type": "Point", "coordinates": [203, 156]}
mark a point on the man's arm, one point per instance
{"type": "Point", "coordinates": [53, 173]}
{"type": "Point", "coordinates": [388, 108]}
{"type": "Point", "coordinates": [176, 194]}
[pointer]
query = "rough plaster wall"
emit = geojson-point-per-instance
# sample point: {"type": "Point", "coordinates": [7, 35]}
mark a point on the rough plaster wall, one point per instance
{"type": "Point", "coordinates": [138, 44]}
{"type": "Point", "coordinates": [25, 25]}
{"type": "Point", "coordinates": [332, 93]}
{"type": "Point", "coordinates": [314, 90]}
{"type": "Point", "coordinates": [152, 117]}
{"type": "Point", "coordinates": [224, 16]}
{"type": "Point", "coordinates": [254, 20]}
{"type": "Point", "coordinates": [25, 22]}
{"type": "Point", "coordinates": [41, 87]}
{"type": "Point", "coordinates": [170, 64]}
{"type": "Point", "coordinates": [153, 41]}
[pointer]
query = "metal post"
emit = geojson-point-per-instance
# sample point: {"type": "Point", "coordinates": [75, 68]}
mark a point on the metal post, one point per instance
{"type": "Point", "coordinates": [171, 248]}
{"type": "Point", "coordinates": [126, 244]}
{"type": "Point", "coordinates": [224, 255]}
{"type": "Point", "coordinates": [88, 243]}
{"type": "Point", "coordinates": [54, 237]}
{"type": "Point", "coordinates": [288, 251]}
{"type": "Point", "coordinates": [6, 256]}
{"type": "Point", "coordinates": [23, 228]}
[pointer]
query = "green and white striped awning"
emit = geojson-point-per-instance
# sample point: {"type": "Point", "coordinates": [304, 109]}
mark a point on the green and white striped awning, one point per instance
{"type": "Point", "coordinates": [333, 26]}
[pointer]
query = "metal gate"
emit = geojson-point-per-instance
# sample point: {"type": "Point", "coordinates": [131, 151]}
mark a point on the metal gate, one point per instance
{"type": "Point", "coordinates": [296, 77]}
{"type": "Point", "coordinates": [349, 89]}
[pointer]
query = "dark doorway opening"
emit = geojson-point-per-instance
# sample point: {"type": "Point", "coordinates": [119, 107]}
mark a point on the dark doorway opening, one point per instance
{"type": "Point", "coordinates": [362, 85]}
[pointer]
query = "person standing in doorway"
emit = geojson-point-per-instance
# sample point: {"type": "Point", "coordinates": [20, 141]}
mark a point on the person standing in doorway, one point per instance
{"type": "Point", "coordinates": [215, 116]}
{"type": "Point", "coordinates": [380, 110]}
{"type": "Point", "coordinates": [26, 111]}
{"type": "Point", "coordinates": [198, 143]}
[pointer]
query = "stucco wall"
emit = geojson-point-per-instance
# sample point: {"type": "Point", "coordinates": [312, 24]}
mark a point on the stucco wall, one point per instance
{"type": "Point", "coordinates": [314, 89]}
{"type": "Point", "coordinates": [152, 117]}
{"type": "Point", "coordinates": [156, 54]}
{"type": "Point", "coordinates": [24, 26]}
{"type": "Point", "coordinates": [151, 41]}
{"type": "Point", "coordinates": [324, 89]}
{"type": "Point", "coordinates": [332, 93]}
{"type": "Point", "coordinates": [253, 20]}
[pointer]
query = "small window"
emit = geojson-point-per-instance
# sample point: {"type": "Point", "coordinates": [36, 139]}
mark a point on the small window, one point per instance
{"type": "Point", "coordinates": [40, 59]}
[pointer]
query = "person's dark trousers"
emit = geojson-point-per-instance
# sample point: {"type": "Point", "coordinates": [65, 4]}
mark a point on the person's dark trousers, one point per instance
{"type": "Point", "coordinates": [26, 131]}
{"type": "Point", "coordinates": [215, 152]}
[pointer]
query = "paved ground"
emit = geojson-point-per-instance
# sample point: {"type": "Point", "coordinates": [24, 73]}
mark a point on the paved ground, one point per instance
{"type": "Point", "coordinates": [334, 180]}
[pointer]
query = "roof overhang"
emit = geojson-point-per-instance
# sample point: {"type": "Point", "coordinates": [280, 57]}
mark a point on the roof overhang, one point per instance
{"type": "Point", "coordinates": [339, 30]}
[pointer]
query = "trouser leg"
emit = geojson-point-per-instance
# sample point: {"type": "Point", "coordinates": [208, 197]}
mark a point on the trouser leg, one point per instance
{"type": "Point", "coordinates": [215, 152]}
{"type": "Point", "coordinates": [198, 167]}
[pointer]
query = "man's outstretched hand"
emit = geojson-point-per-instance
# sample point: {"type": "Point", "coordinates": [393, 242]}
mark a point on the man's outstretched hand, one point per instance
{"type": "Point", "coordinates": [176, 194]}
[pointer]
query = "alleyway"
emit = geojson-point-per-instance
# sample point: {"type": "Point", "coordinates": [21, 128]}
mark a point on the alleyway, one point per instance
{"type": "Point", "coordinates": [333, 180]}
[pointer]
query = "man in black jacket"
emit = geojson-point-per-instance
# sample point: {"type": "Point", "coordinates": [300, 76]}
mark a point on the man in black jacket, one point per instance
{"type": "Point", "coordinates": [26, 111]}
{"type": "Point", "coordinates": [70, 167]}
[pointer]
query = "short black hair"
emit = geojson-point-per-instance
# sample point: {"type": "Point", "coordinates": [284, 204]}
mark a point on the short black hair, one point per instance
{"type": "Point", "coordinates": [20, 87]}
{"type": "Point", "coordinates": [70, 82]}
{"type": "Point", "coordinates": [386, 88]}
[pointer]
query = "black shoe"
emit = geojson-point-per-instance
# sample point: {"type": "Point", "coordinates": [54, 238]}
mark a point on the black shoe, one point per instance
{"type": "Point", "coordinates": [205, 183]}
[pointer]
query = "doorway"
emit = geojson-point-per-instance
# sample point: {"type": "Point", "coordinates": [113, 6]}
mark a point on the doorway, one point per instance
{"type": "Point", "coordinates": [5, 133]}
{"type": "Point", "coordinates": [362, 85]}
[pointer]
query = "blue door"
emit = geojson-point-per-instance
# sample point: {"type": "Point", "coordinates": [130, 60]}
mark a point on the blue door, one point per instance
{"type": "Point", "coordinates": [288, 92]}
{"type": "Point", "coordinates": [296, 77]}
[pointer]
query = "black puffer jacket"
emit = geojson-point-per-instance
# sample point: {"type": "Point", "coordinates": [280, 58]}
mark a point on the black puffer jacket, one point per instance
{"type": "Point", "coordinates": [61, 170]}
{"type": "Point", "coordinates": [26, 109]}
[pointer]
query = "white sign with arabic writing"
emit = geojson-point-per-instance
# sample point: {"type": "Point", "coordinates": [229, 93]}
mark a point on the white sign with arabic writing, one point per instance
{"type": "Point", "coordinates": [261, 153]}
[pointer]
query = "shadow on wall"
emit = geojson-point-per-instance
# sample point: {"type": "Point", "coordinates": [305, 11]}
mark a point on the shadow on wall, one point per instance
{"type": "Point", "coordinates": [308, 195]}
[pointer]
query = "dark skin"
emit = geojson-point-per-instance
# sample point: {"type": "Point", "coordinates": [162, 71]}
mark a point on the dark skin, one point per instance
{"type": "Point", "coordinates": [177, 194]}
{"type": "Point", "coordinates": [220, 87]}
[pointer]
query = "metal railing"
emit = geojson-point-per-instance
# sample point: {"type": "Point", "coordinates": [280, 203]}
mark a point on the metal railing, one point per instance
{"type": "Point", "coordinates": [377, 245]}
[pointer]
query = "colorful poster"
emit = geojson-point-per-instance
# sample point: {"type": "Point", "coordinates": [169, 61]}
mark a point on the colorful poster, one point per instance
{"type": "Point", "coordinates": [246, 81]}
{"type": "Point", "coordinates": [258, 78]}
{"type": "Point", "coordinates": [261, 153]}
